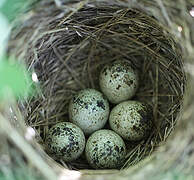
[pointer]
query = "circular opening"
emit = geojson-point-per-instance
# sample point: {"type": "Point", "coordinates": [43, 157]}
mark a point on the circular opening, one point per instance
{"type": "Point", "coordinates": [68, 53]}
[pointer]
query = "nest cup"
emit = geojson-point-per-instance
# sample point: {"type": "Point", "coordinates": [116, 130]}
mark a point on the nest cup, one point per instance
{"type": "Point", "coordinates": [68, 50]}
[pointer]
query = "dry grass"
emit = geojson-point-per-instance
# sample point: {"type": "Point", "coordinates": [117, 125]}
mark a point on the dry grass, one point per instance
{"type": "Point", "coordinates": [66, 48]}
{"type": "Point", "coordinates": [67, 53]}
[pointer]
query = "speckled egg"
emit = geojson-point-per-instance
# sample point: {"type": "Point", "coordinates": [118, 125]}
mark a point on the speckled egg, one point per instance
{"type": "Point", "coordinates": [105, 149]}
{"type": "Point", "coordinates": [118, 81]}
{"type": "Point", "coordinates": [89, 109]}
{"type": "Point", "coordinates": [66, 140]}
{"type": "Point", "coordinates": [132, 120]}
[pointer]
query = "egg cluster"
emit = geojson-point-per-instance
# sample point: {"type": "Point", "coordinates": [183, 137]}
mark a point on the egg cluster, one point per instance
{"type": "Point", "coordinates": [90, 114]}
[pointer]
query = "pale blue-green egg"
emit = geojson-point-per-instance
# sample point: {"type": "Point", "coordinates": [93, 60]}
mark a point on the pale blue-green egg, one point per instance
{"type": "Point", "coordinates": [66, 140]}
{"type": "Point", "coordinates": [89, 109]}
{"type": "Point", "coordinates": [118, 81]}
{"type": "Point", "coordinates": [132, 120]}
{"type": "Point", "coordinates": [105, 149]}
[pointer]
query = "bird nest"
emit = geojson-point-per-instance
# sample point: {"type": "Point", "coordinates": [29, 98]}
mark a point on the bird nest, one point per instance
{"type": "Point", "coordinates": [67, 46]}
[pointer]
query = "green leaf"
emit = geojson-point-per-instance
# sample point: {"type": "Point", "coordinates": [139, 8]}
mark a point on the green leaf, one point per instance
{"type": "Point", "coordinates": [14, 79]}
{"type": "Point", "coordinates": [12, 7]}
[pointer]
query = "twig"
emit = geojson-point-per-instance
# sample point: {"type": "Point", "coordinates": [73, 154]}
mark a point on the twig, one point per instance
{"type": "Point", "coordinates": [28, 151]}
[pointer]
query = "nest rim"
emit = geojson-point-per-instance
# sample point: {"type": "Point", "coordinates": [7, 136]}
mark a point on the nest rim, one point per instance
{"type": "Point", "coordinates": [158, 64]}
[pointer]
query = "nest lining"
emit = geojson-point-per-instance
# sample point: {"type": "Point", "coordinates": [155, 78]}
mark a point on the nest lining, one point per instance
{"type": "Point", "coordinates": [67, 53]}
